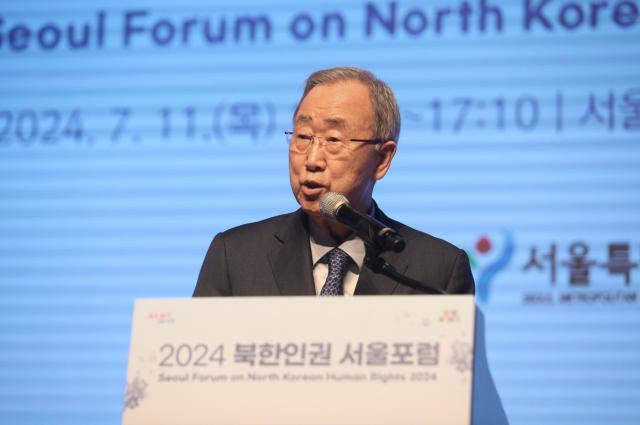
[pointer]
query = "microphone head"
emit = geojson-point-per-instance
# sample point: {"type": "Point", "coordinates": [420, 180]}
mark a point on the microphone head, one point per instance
{"type": "Point", "coordinates": [330, 202]}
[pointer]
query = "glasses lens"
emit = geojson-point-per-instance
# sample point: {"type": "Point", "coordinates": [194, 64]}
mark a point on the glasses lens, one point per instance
{"type": "Point", "coordinates": [301, 142]}
{"type": "Point", "coordinates": [333, 146]}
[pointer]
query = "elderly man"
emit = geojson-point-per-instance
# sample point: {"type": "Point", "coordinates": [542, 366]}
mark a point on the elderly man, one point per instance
{"type": "Point", "coordinates": [345, 134]}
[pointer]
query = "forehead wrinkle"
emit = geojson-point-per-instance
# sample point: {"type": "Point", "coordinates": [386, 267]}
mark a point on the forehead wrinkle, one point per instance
{"type": "Point", "coordinates": [333, 122]}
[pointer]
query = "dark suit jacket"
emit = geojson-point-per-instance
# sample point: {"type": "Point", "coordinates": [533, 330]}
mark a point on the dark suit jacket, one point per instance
{"type": "Point", "coordinates": [273, 257]}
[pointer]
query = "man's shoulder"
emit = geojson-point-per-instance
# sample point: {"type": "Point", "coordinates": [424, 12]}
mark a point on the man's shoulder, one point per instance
{"type": "Point", "coordinates": [258, 229]}
{"type": "Point", "coordinates": [422, 241]}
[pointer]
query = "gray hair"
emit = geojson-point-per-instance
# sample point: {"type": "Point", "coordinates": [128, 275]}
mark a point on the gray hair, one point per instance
{"type": "Point", "coordinates": [383, 101]}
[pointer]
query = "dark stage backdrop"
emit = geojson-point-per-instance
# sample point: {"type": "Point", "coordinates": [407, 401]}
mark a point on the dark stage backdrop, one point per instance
{"type": "Point", "coordinates": [132, 131]}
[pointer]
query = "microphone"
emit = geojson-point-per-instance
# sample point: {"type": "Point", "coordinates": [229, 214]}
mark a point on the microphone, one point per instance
{"type": "Point", "coordinates": [374, 233]}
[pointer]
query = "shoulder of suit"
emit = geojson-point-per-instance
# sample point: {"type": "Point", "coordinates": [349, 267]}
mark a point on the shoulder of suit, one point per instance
{"type": "Point", "coordinates": [265, 227]}
{"type": "Point", "coordinates": [417, 239]}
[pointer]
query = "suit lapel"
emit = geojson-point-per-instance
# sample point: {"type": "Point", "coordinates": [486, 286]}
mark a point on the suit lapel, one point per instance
{"type": "Point", "coordinates": [370, 283]}
{"type": "Point", "coordinates": [290, 258]}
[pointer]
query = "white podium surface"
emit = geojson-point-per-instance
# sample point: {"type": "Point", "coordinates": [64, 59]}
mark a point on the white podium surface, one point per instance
{"type": "Point", "coordinates": [301, 360]}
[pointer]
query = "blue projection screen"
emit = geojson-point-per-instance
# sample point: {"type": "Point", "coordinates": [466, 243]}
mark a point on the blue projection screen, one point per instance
{"type": "Point", "coordinates": [131, 132]}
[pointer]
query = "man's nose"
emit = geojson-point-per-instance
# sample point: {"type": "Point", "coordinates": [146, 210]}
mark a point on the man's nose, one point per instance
{"type": "Point", "coordinates": [315, 160]}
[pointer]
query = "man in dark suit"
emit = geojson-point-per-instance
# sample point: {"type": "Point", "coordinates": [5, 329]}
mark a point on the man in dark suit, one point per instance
{"type": "Point", "coordinates": [345, 134]}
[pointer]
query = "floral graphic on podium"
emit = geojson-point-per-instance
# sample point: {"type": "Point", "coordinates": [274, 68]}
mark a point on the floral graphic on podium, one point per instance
{"type": "Point", "coordinates": [137, 389]}
{"type": "Point", "coordinates": [490, 255]}
{"type": "Point", "coordinates": [136, 392]}
{"type": "Point", "coordinates": [461, 356]}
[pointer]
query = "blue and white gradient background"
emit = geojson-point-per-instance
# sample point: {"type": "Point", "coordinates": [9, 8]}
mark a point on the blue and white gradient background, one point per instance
{"type": "Point", "coordinates": [120, 159]}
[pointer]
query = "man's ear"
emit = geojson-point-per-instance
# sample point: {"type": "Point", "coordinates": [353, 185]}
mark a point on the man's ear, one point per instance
{"type": "Point", "coordinates": [386, 152]}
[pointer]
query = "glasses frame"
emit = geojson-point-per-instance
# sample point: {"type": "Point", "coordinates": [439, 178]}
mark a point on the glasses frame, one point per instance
{"type": "Point", "coordinates": [289, 134]}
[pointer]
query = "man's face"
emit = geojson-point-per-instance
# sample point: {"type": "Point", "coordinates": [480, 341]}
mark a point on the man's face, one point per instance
{"type": "Point", "coordinates": [342, 110]}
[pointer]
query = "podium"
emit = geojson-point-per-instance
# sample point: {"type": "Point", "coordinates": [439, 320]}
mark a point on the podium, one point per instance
{"type": "Point", "coordinates": [301, 360]}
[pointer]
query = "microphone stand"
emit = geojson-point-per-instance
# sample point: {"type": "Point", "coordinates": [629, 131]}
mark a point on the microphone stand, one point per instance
{"type": "Point", "coordinates": [378, 265]}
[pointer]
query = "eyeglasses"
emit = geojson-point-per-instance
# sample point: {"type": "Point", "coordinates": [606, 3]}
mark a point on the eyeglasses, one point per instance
{"type": "Point", "coordinates": [301, 143]}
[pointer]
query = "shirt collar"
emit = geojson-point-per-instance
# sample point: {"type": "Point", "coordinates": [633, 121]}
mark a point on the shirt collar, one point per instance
{"type": "Point", "coordinates": [321, 243]}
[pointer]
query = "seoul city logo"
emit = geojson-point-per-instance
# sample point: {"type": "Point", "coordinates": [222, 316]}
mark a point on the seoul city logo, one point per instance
{"type": "Point", "coordinates": [490, 255]}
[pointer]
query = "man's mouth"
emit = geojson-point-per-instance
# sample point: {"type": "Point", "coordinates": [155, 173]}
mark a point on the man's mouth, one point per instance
{"type": "Point", "coordinates": [311, 188]}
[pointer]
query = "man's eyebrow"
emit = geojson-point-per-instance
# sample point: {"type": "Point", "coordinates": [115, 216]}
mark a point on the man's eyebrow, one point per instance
{"type": "Point", "coordinates": [304, 119]}
{"type": "Point", "coordinates": [336, 122]}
